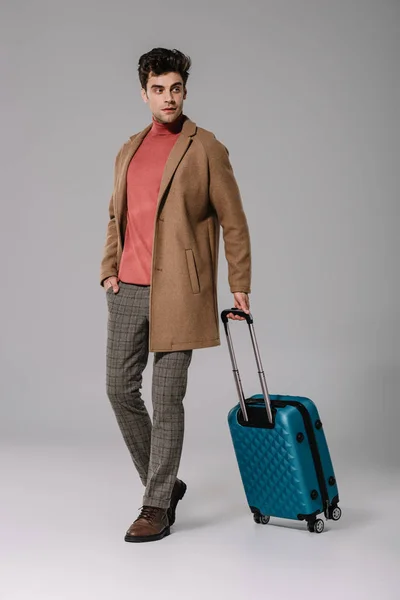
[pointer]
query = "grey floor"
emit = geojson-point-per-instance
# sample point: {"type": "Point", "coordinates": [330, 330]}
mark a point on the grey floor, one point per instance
{"type": "Point", "coordinates": [64, 511]}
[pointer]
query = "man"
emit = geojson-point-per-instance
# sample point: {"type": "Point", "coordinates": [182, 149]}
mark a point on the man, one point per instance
{"type": "Point", "coordinates": [173, 189]}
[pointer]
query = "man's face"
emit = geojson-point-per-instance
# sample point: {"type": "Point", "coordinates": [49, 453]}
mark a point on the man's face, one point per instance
{"type": "Point", "coordinates": [165, 95]}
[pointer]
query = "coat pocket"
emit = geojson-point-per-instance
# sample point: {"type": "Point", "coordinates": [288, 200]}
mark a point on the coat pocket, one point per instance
{"type": "Point", "coordinates": [193, 275]}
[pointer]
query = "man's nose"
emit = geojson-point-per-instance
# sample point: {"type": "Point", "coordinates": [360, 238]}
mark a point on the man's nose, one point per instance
{"type": "Point", "coordinates": [168, 96]}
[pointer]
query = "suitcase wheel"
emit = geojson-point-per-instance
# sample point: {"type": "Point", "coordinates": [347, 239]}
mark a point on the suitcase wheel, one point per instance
{"type": "Point", "coordinates": [316, 526]}
{"type": "Point", "coordinates": [335, 513]}
{"type": "Point", "coordinates": [259, 518]}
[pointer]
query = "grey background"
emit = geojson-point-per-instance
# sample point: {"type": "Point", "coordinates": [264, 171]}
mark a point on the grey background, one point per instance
{"type": "Point", "coordinates": [305, 95]}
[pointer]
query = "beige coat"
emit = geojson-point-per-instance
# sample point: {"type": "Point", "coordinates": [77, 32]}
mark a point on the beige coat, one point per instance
{"type": "Point", "coordinates": [198, 194]}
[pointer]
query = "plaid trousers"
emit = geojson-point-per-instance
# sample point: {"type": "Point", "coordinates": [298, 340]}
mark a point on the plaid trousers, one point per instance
{"type": "Point", "coordinates": [155, 447]}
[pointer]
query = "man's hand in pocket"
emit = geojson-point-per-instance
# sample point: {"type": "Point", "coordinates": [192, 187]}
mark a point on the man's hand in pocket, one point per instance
{"type": "Point", "coordinates": [111, 282]}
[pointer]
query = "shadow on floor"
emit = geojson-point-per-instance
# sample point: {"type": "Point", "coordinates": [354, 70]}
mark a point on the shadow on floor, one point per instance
{"type": "Point", "coordinates": [352, 518]}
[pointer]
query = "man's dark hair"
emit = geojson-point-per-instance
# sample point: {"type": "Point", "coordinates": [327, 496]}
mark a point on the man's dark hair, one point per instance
{"type": "Point", "coordinates": [160, 61]}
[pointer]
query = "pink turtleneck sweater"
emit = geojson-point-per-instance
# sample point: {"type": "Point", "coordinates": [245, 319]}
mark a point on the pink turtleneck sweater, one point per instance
{"type": "Point", "coordinates": [143, 184]}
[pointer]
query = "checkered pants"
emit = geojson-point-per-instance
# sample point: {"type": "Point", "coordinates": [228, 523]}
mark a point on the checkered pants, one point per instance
{"type": "Point", "coordinates": [155, 447]}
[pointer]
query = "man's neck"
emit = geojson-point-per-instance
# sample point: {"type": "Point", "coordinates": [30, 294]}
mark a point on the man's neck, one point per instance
{"type": "Point", "coordinates": [168, 128]}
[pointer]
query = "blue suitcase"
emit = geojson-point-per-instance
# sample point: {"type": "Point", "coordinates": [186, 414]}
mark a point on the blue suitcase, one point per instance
{"type": "Point", "coordinates": [281, 450]}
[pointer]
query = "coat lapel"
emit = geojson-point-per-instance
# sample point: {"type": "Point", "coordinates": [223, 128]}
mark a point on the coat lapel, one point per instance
{"type": "Point", "coordinates": [126, 158]}
{"type": "Point", "coordinates": [177, 153]}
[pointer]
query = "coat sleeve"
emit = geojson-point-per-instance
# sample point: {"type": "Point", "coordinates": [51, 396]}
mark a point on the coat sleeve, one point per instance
{"type": "Point", "coordinates": [226, 200]}
{"type": "Point", "coordinates": [108, 266]}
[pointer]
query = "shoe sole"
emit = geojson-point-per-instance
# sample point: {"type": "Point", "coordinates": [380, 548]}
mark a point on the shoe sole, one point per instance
{"type": "Point", "coordinates": [148, 538]}
{"type": "Point", "coordinates": [172, 520]}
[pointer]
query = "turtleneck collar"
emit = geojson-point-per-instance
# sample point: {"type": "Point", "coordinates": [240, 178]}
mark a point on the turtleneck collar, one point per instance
{"type": "Point", "coordinates": [168, 128]}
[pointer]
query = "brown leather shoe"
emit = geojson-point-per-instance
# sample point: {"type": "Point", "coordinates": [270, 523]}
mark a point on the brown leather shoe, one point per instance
{"type": "Point", "coordinates": [178, 492]}
{"type": "Point", "coordinates": [152, 524]}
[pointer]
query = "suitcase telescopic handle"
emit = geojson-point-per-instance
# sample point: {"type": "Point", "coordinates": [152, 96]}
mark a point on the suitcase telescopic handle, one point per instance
{"type": "Point", "coordinates": [261, 374]}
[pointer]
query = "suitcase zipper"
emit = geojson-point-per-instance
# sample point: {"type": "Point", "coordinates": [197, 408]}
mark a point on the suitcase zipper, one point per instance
{"type": "Point", "coordinates": [313, 446]}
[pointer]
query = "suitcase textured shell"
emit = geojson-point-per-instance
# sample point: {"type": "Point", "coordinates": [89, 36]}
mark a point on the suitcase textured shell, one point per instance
{"type": "Point", "coordinates": [277, 465]}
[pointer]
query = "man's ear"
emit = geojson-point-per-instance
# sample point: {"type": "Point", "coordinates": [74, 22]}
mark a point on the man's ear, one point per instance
{"type": "Point", "coordinates": [184, 93]}
{"type": "Point", "coordinates": [144, 95]}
